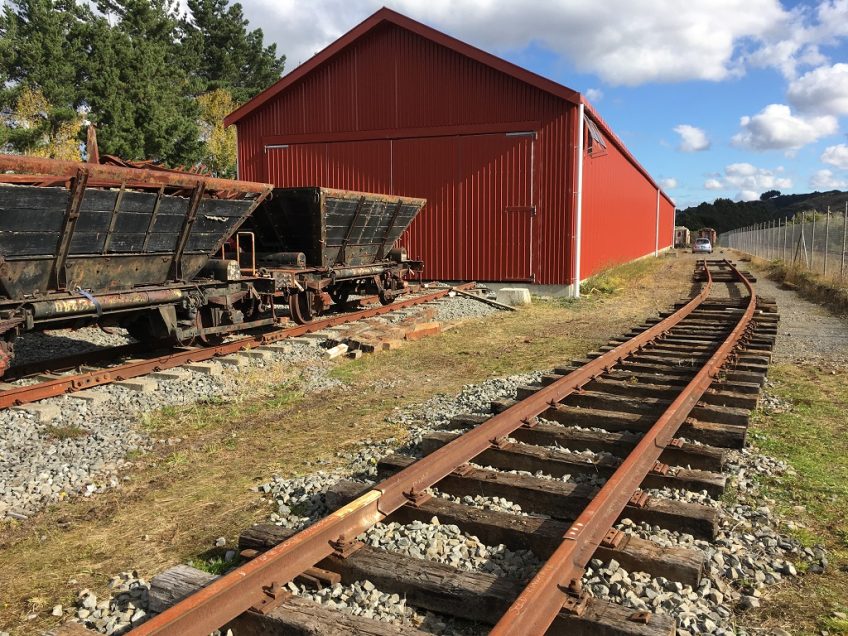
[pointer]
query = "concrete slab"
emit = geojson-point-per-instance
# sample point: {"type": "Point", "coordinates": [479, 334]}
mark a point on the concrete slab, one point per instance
{"type": "Point", "coordinates": [335, 352]}
{"type": "Point", "coordinates": [254, 354]}
{"type": "Point", "coordinates": [44, 413]}
{"type": "Point", "coordinates": [514, 296]}
{"type": "Point", "coordinates": [92, 396]}
{"type": "Point", "coordinates": [169, 374]}
{"type": "Point", "coordinates": [275, 348]}
{"type": "Point", "coordinates": [206, 368]}
{"type": "Point", "coordinates": [232, 361]}
{"type": "Point", "coordinates": [139, 385]}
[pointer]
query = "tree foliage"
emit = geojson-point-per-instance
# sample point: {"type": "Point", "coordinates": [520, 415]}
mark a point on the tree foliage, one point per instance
{"type": "Point", "coordinates": [139, 69]}
{"type": "Point", "coordinates": [725, 215]}
{"type": "Point", "coordinates": [38, 129]}
{"type": "Point", "coordinates": [220, 143]}
{"type": "Point", "coordinates": [224, 53]}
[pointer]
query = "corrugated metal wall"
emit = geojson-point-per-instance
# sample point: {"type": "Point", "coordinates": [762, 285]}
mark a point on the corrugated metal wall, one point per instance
{"type": "Point", "coordinates": [619, 212]}
{"type": "Point", "coordinates": [399, 114]}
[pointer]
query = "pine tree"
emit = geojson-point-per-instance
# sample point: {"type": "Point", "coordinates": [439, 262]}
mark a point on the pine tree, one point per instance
{"type": "Point", "coordinates": [138, 93]}
{"type": "Point", "coordinates": [43, 46]}
{"type": "Point", "coordinates": [224, 53]}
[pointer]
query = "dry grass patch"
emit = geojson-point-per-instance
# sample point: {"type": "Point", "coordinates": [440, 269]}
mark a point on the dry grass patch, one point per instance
{"type": "Point", "coordinates": [180, 498]}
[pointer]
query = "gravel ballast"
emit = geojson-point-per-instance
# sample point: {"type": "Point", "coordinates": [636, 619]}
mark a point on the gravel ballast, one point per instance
{"type": "Point", "coordinates": [750, 554]}
{"type": "Point", "coordinates": [85, 449]}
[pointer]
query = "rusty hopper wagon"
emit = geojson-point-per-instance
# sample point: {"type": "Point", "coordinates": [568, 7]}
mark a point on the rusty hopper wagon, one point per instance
{"type": "Point", "coordinates": [140, 247]}
{"type": "Point", "coordinates": [328, 244]}
{"type": "Point", "coordinates": [707, 233]}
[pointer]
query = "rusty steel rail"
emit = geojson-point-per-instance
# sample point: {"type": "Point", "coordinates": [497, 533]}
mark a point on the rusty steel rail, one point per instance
{"type": "Point", "coordinates": [72, 383]}
{"type": "Point", "coordinates": [559, 578]}
{"type": "Point", "coordinates": [259, 583]}
{"type": "Point", "coordinates": [39, 166]}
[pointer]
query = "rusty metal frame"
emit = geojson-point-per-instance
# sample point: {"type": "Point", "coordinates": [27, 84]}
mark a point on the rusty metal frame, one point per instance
{"type": "Point", "coordinates": [153, 217]}
{"type": "Point", "coordinates": [234, 593]}
{"type": "Point", "coordinates": [176, 270]}
{"type": "Point", "coordinates": [539, 603]}
{"type": "Point", "coordinates": [120, 174]}
{"type": "Point", "coordinates": [340, 255]}
{"type": "Point", "coordinates": [71, 383]}
{"type": "Point", "coordinates": [113, 219]}
{"type": "Point", "coordinates": [381, 252]}
{"type": "Point", "coordinates": [69, 224]}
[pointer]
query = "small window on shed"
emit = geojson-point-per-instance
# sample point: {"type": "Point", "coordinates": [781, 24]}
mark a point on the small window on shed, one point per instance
{"type": "Point", "coordinates": [595, 141]}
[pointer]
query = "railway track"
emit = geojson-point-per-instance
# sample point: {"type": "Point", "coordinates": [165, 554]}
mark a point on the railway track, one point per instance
{"type": "Point", "coordinates": [74, 373]}
{"type": "Point", "coordinates": [656, 408]}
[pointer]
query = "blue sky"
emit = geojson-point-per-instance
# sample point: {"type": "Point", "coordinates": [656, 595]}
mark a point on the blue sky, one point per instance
{"type": "Point", "coordinates": [714, 97]}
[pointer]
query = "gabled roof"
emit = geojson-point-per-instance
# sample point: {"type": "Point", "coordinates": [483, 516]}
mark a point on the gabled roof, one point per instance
{"type": "Point", "coordinates": [386, 15]}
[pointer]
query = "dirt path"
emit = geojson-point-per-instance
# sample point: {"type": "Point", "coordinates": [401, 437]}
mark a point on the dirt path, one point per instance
{"type": "Point", "coordinates": [808, 333]}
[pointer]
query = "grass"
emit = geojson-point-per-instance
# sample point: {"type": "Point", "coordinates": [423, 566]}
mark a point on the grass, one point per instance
{"type": "Point", "coordinates": [179, 498]}
{"type": "Point", "coordinates": [615, 279]}
{"type": "Point", "coordinates": [66, 432]}
{"type": "Point", "coordinates": [828, 291]}
{"type": "Point", "coordinates": [813, 439]}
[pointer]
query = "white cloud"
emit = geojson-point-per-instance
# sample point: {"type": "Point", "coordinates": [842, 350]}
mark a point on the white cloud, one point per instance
{"type": "Point", "coordinates": [749, 180]}
{"type": "Point", "coordinates": [823, 90]}
{"type": "Point", "coordinates": [795, 40]}
{"type": "Point", "coordinates": [627, 42]}
{"type": "Point", "coordinates": [836, 156]}
{"type": "Point", "coordinates": [740, 170]}
{"type": "Point", "coordinates": [594, 94]}
{"type": "Point", "coordinates": [692, 139]}
{"type": "Point", "coordinates": [776, 128]}
{"type": "Point", "coordinates": [668, 184]}
{"type": "Point", "coordinates": [825, 180]}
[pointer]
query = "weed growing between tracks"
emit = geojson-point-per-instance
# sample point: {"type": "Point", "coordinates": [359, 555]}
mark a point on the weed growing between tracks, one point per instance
{"type": "Point", "coordinates": [196, 487]}
{"type": "Point", "coordinates": [812, 437]}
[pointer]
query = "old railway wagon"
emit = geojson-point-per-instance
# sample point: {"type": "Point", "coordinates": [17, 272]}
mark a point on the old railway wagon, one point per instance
{"type": "Point", "coordinates": [146, 249]}
{"type": "Point", "coordinates": [707, 233]}
{"type": "Point", "coordinates": [329, 244]}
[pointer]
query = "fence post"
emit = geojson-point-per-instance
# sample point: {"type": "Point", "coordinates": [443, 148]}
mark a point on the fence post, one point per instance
{"type": "Point", "coordinates": [813, 243]}
{"type": "Point", "coordinates": [785, 230]}
{"type": "Point", "coordinates": [844, 237]}
{"type": "Point", "coordinates": [826, 241]}
{"type": "Point", "coordinates": [768, 240]}
{"type": "Point", "coordinates": [771, 240]}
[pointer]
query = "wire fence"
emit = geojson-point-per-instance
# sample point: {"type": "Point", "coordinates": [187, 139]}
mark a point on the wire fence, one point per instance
{"type": "Point", "coordinates": [814, 241]}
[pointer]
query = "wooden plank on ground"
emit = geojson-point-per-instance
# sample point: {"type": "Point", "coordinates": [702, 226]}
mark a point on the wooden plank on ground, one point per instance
{"type": "Point", "coordinates": [472, 595]}
{"type": "Point", "coordinates": [563, 500]}
{"type": "Point", "coordinates": [540, 535]}
{"type": "Point", "coordinates": [519, 456]}
{"type": "Point", "coordinates": [296, 615]}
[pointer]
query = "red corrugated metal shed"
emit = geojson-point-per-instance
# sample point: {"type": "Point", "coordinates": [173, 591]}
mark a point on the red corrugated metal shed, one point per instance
{"type": "Point", "coordinates": [399, 108]}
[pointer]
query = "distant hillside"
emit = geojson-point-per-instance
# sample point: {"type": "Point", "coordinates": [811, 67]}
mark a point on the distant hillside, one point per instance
{"type": "Point", "coordinates": [724, 214]}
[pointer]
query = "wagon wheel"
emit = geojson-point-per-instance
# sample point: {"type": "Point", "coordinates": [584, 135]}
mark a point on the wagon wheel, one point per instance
{"type": "Point", "coordinates": [300, 307]}
{"type": "Point", "coordinates": [209, 339]}
{"type": "Point", "coordinates": [6, 353]}
{"type": "Point", "coordinates": [340, 295]}
{"type": "Point", "coordinates": [386, 298]}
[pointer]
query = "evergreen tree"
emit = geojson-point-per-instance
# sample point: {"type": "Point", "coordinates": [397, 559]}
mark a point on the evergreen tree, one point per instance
{"type": "Point", "coordinates": [138, 93]}
{"type": "Point", "coordinates": [223, 53]}
{"type": "Point", "coordinates": [35, 128]}
{"type": "Point", "coordinates": [43, 46]}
